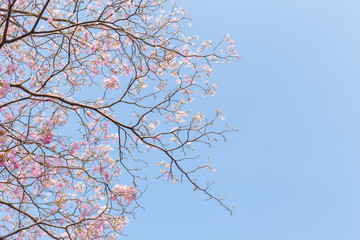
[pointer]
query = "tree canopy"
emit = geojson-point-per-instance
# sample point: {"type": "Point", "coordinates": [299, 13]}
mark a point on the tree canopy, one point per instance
{"type": "Point", "coordinates": [87, 87]}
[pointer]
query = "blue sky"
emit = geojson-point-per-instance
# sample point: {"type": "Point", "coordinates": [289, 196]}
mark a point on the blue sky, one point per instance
{"type": "Point", "coordinates": [292, 170]}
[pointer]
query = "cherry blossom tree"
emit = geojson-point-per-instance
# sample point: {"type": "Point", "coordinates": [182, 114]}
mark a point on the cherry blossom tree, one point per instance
{"type": "Point", "coordinates": [87, 88]}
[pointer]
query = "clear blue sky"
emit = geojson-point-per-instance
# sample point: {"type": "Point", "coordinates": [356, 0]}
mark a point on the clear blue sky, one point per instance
{"type": "Point", "coordinates": [293, 169]}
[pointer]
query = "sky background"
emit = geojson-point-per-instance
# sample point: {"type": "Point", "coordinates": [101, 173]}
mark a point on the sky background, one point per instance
{"type": "Point", "coordinates": [293, 169]}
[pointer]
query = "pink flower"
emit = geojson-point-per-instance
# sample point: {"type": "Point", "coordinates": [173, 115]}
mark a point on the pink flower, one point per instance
{"type": "Point", "coordinates": [168, 117]}
{"type": "Point", "coordinates": [47, 135]}
{"type": "Point", "coordinates": [74, 147]}
{"type": "Point", "coordinates": [89, 7]}
{"type": "Point", "coordinates": [86, 35]}
{"type": "Point", "coordinates": [96, 169]}
{"type": "Point", "coordinates": [4, 88]}
{"type": "Point", "coordinates": [106, 175]}
{"type": "Point", "coordinates": [151, 127]}
{"type": "Point", "coordinates": [99, 226]}
{"type": "Point", "coordinates": [94, 69]}
{"type": "Point", "coordinates": [93, 47]}
{"type": "Point", "coordinates": [187, 79]}
{"type": "Point", "coordinates": [180, 115]}
{"type": "Point", "coordinates": [47, 138]}
{"type": "Point", "coordinates": [111, 83]}
{"type": "Point", "coordinates": [198, 118]}
{"type": "Point", "coordinates": [128, 193]}
{"type": "Point", "coordinates": [168, 176]}
{"type": "Point", "coordinates": [8, 116]}
{"type": "Point", "coordinates": [2, 159]}
{"type": "Point", "coordinates": [207, 69]}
